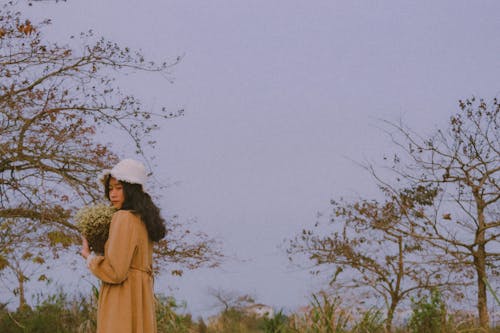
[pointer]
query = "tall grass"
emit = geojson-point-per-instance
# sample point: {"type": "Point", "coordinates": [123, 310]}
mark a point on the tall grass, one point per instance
{"type": "Point", "coordinates": [168, 320]}
{"type": "Point", "coordinates": [372, 321]}
{"type": "Point", "coordinates": [61, 313]}
{"type": "Point", "coordinates": [324, 315]}
{"type": "Point", "coordinates": [55, 313]}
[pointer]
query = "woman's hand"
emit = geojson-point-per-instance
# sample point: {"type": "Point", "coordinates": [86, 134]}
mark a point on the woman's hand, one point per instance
{"type": "Point", "coordinates": [85, 248]}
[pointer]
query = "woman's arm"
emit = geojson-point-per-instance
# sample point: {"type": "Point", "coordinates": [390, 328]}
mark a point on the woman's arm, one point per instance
{"type": "Point", "coordinates": [122, 242]}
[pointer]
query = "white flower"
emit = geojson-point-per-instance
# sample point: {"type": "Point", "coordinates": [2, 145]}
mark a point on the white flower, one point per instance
{"type": "Point", "coordinates": [93, 222]}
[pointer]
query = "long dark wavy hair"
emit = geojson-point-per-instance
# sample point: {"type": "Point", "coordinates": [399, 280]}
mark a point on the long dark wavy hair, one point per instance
{"type": "Point", "coordinates": [140, 203]}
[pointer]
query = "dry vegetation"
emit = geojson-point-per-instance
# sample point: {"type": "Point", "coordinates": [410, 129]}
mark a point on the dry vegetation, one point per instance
{"type": "Point", "coordinates": [325, 314]}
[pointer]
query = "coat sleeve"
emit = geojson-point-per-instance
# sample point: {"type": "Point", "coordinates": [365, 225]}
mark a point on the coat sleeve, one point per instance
{"type": "Point", "coordinates": [113, 267]}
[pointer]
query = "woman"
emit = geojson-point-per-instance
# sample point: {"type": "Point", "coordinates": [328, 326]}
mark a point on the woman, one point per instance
{"type": "Point", "coordinates": [126, 298]}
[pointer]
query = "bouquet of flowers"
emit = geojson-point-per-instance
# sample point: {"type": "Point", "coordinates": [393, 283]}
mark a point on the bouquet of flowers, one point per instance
{"type": "Point", "coordinates": [93, 222]}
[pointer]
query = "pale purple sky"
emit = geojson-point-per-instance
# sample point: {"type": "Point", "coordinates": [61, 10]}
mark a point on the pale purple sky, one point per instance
{"type": "Point", "coordinates": [279, 95]}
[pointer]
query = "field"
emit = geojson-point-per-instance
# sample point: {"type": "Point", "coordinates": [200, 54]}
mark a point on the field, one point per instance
{"type": "Point", "coordinates": [60, 313]}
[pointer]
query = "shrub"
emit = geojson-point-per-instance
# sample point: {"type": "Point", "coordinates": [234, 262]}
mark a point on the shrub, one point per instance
{"type": "Point", "coordinates": [429, 314]}
{"type": "Point", "coordinates": [276, 324]}
{"type": "Point", "coordinates": [55, 313]}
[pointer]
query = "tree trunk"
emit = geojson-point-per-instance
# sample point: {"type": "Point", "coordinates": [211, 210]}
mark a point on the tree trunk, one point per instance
{"type": "Point", "coordinates": [482, 304]}
{"type": "Point", "coordinates": [390, 316]}
{"type": "Point", "coordinates": [22, 297]}
{"type": "Point", "coordinates": [480, 266]}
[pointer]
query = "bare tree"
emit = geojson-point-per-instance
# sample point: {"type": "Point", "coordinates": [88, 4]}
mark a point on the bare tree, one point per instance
{"type": "Point", "coordinates": [231, 300]}
{"type": "Point", "coordinates": [463, 163]}
{"type": "Point", "coordinates": [439, 224]}
{"type": "Point", "coordinates": [57, 105]}
{"type": "Point", "coordinates": [369, 253]}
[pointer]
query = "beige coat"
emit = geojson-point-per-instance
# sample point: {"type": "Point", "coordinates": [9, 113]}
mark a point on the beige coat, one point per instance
{"type": "Point", "coordinates": [126, 298]}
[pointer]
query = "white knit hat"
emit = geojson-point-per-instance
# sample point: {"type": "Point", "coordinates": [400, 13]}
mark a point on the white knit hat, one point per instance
{"type": "Point", "coordinates": [127, 170]}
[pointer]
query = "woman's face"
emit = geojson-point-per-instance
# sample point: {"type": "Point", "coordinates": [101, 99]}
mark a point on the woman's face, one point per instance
{"type": "Point", "coordinates": [116, 195]}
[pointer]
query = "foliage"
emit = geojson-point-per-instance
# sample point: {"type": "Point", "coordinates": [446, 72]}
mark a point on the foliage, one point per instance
{"type": "Point", "coordinates": [438, 225]}
{"type": "Point", "coordinates": [429, 315]}
{"type": "Point", "coordinates": [184, 247]}
{"type": "Point", "coordinates": [53, 313]}
{"type": "Point", "coordinates": [277, 324]}
{"type": "Point", "coordinates": [368, 252]}
{"type": "Point", "coordinates": [60, 312]}
{"type": "Point", "coordinates": [56, 102]}
{"type": "Point", "coordinates": [462, 162]}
